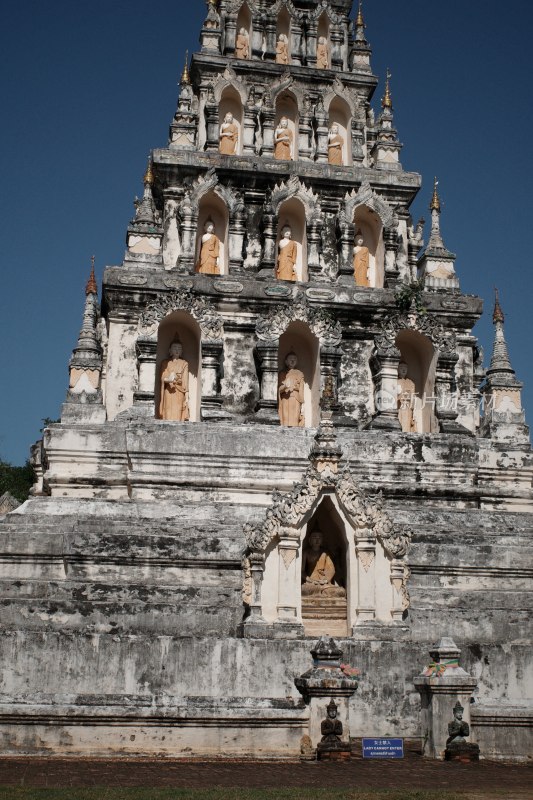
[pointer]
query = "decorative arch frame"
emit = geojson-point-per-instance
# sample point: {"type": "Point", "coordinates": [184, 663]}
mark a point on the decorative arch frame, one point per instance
{"type": "Point", "coordinates": [322, 324]}
{"type": "Point", "coordinates": [444, 341]}
{"type": "Point", "coordinates": [339, 90]}
{"type": "Point", "coordinates": [210, 182]}
{"type": "Point", "coordinates": [209, 321]}
{"type": "Point", "coordinates": [289, 5]}
{"type": "Point", "coordinates": [229, 78]}
{"type": "Point", "coordinates": [366, 196]}
{"type": "Point", "coordinates": [325, 6]}
{"type": "Point", "coordinates": [295, 188]}
{"type": "Point", "coordinates": [234, 6]}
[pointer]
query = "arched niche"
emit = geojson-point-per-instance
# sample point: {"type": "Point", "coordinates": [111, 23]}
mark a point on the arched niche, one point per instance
{"type": "Point", "coordinates": [181, 325]}
{"type": "Point", "coordinates": [292, 214]}
{"type": "Point", "coordinates": [283, 26]}
{"type": "Point", "coordinates": [244, 20]}
{"type": "Point", "coordinates": [299, 339]}
{"type": "Point", "coordinates": [231, 103]}
{"type": "Point", "coordinates": [213, 209]}
{"type": "Point", "coordinates": [287, 106]}
{"type": "Point", "coordinates": [323, 30]}
{"type": "Point", "coordinates": [329, 615]}
{"type": "Point", "coordinates": [369, 224]}
{"type": "Point", "coordinates": [418, 353]}
{"type": "Point", "coordinates": [341, 115]}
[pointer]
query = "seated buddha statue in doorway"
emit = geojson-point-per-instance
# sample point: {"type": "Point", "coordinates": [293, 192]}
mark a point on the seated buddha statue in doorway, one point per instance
{"type": "Point", "coordinates": [318, 570]}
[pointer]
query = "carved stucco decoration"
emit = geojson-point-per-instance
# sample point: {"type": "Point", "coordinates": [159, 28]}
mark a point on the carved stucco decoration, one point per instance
{"type": "Point", "coordinates": [325, 6]}
{"type": "Point", "coordinates": [276, 7]}
{"type": "Point", "coordinates": [338, 90]}
{"type": "Point", "coordinates": [295, 188]}
{"type": "Point", "coordinates": [327, 330]}
{"type": "Point", "coordinates": [234, 6]}
{"type": "Point", "coordinates": [198, 307]}
{"type": "Point", "coordinates": [364, 511]}
{"type": "Point", "coordinates": [366, 196]}
{"type": "Point", "coordinates": [444, 341]}
{"type": "Point", "coordinates": [229, 78]}
{"type": "Point", "coordinates": [205, 184]}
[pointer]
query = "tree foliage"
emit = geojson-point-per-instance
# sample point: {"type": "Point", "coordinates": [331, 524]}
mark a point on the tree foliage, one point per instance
{"type": "Point", "coordinates": [16, 480]}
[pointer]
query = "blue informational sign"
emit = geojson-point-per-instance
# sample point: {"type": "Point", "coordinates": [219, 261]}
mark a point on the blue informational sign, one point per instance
{"type": "Point", "coordinates": [383, 748]}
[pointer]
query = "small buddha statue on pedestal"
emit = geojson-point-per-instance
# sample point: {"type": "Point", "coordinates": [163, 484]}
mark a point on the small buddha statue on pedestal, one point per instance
{"type": "Point", "coordinates": [242, 45]}
{"type": "Point", "coordinates": [406, 396]}
{"type": "Point", "coordinates": [229, 136]}
{"type": "Point", "coordinates": [291, 385]}
{"type": "Point", "coordinates": [331, 747]}
{"type": "Point", "coordinates": [361, 261]}
{"type": "Point", "coordinates": [335, 146]}
{"type": "Point", "coordinates": [283, 141]}
{"type": "Point", "coordinates": [174, 403]}
{"type": "Point", "coordinates": [282, 49]}
{"type": "Point", "coordinates": [209, 261]}
{"type": "Point", "coordinates": [322, 53]}
{"type": "Point", "coordinates": [287, 257]}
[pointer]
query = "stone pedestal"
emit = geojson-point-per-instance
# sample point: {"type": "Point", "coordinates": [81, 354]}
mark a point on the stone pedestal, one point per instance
{"type": "Point", "coordinates": [441, 685]}
{"type": "Point", "coordinates": [324, 682]}
{"type": "Point", "coordinates": [464, 752]}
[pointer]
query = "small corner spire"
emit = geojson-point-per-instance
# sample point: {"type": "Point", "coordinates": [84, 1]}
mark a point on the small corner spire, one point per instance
{"type": "Point", "coordinates": [386, 101]}
{"type": "Point", "coordinates": [435, 204]}
{"type": "Point", "coordinates": [498, 315]}
{"type": "Point", "coordinates": [92, 286]}
{"type": "Point", "coordinates": [185, 77]}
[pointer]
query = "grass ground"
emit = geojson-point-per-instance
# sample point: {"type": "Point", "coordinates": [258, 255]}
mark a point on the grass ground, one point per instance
{"type": "Point", "coordinates": [12, 793]}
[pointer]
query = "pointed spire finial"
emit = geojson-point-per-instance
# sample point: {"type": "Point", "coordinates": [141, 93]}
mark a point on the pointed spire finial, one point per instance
{"type": "Point", "coordinates": [498, 315]}
{"type": "Point", "coordinates": [185, 77]}
{"type": "Point", "coordinates": [435, 204]}
{"type": "Point", "coordinates": [387, 99]}
{"type": "Point", "coordinates": [91, 287]}
{"type": "Point", "coordinates": [148, 179]}
{"type": "Point", "coordinates": [360, 22]}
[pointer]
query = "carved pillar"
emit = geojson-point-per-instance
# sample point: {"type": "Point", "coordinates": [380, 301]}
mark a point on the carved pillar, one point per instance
{"type": "Point", "coordinates": [397, 578]}
{"type": "Point", "coordinates": [365, 549]}
{"type": "Point", "coordinates": [256, 41]}
{"type": "Point", "coordinates": [337, 46]}
{"type": "Point", "coordinates": [392, 274]}
{"type": "Point", "coordinates": [386, 390]}
{"type": "Point", "coordinates": [230, 34]}
{"type": "Point", "coordinates": [346, 269]}
{"type": "Point", "coordinates": [358, 139]}
{"type": "Point", "coordinates": [314, 238]}
{"type": "Point", "coordinates": [271, 38]}
{"type": "Point", "coordinates": [330, 361]}
{"type": "Point", "coordinates": [212, 124]}
{"type": "Point", "coordinates": [254, 625]}
{"type": "Point", "coordinates": [188, 226]}
{"type": "Point", "coordinates": [146, 360]}
{"type": "Point", "coordinates": [236, 241]}
{"type": "Point", "coordinates": [249, 127]}
{"type": "Point", "coordinates": [268, 263]}
{"type": "Point", "coordinates": [311, 42]}
{"type": "Point", "coordinates": [267, 353]}
{"type": "Point", "coordinates": [289, 582]}
{"type": "Point", "coordinates": [322, 133]}
{"type": "Point", "coordinates": [413, 250]}
{"type": "Point", "coordinates": [268, 116]}
{"type": "Point", "coordinates": [305, 149]}
{"type": "Point", "coordinates": [296, 54]}
{"type": "Point", "coordinates": [212, 350]}
{"type": "Point", "coordinates": [446, 394]}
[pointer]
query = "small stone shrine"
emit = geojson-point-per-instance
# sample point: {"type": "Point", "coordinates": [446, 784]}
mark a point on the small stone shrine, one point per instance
{"type": "Point", "coordinates": [272, 434]}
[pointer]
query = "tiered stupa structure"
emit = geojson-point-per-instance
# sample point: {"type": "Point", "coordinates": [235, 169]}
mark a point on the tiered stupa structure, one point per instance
{"type": "Point", "coordinates": [271, 434]}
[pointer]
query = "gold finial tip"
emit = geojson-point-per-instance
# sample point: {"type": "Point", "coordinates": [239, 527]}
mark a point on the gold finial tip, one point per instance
{"type": "Point", "coordinates": [386, 102]}
{"type": "Point", "coordinates": [149, 175]}
{"type": "Point", "coordinates": [185, 77]}
{"type": "Point", "coordinates": [498, 315]}
{"type": "Point", "coordinates": [360, 22]}
{"type": "Point", "coordinates": [91, 287]}
{"type": "Point", "coordinates": [435, 204]}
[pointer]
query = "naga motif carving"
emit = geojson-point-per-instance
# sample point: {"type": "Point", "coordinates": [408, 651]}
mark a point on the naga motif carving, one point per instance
{"type": "Point", "coordinates": [321, 322]}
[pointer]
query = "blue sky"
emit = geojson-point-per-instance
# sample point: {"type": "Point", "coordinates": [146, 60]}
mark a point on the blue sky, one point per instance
{"type": "Point", "coordinates": [89, 88]}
